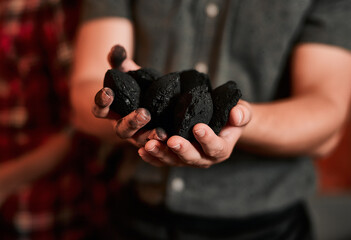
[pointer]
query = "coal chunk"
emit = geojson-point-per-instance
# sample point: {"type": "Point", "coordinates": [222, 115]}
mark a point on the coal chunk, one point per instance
{"type": "Point", "coordinates": [192, 78]}
{"type": "Point", "coordinates": [159, 100]}
{"type": "Point", "coordinates": [126, 91]}
{"type": "Point", "coordinates": [224, 98]}
{"type": "Point", "coordinates": [193, 107]}
{"type": "Point", "coordinates": [176, 101]}
{"type": "Point", "coordinates": [144, 77]}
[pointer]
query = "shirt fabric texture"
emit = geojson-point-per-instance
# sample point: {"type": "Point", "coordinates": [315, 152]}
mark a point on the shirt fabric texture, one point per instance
{"type": "Point", "coordinates": [250, 42]}
{"type": "Point", "coordinates": [36, 38]}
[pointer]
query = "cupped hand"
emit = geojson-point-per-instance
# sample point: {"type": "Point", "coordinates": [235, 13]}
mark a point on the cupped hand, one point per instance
{"type": "Point", "coordinates": [209, 148]}
{"type": "Point", "coordinates": [129, 126]}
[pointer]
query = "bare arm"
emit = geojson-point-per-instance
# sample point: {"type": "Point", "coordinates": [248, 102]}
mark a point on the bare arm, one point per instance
{"type": "Point", "coordinates": [94, 41]}
{"type": "Point", "coordinates": [16, 173]}
{"type": "Point", "coordinates": [310, 121]}
{"type": "Point", "coordinates": [307, 123]}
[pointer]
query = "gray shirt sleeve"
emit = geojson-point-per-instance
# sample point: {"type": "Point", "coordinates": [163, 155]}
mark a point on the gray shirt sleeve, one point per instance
{"type": "Point", "coordinates": [329, 23]}
{"type": "Point", "coordinates": [93, 9]}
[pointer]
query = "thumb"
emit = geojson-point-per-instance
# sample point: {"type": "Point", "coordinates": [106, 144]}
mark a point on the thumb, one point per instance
{"type": "Point", "coordinates": [241, 114]}
{"type": "Point", "coordinates": [118, 59]}
{"type": "Point", "coordinates": [103, 100]}
{"type": "Point", "coordinates": [128, 65]}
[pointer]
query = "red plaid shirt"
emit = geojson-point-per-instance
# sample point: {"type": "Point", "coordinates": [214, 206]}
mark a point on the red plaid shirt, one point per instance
{"type": "Point", "coordinates": [35, 55]}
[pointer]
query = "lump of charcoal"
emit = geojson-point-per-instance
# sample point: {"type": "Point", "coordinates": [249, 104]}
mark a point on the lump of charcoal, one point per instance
{"type": "Point", "coordinates": [159, 99]}
{"type": "Point", "coordinates": [116, 56]}
{"type": "Point", "coordinates": [193, 107]}
{"type": "Point", "coordinates": [144, 77]}
{"type": "Point", "coordinates": [190, 79]}
{"type": "Point", "coordinates": [224, 98]}
{"type": "Point", "coordinates": [126, 90]}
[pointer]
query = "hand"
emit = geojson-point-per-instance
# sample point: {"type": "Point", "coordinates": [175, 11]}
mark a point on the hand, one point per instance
{"type": "Point", "coordinates": [209, 150]}
{"type": "Point", "coordinates": [128, 127]}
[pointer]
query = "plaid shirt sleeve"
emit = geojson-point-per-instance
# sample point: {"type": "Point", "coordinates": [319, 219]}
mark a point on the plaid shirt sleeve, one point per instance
{"type": "Point", "coordinates": [36, 39]}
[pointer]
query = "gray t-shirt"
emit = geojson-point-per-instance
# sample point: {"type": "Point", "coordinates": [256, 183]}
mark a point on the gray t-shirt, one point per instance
{"type": "Point", "coordinates": [249, 41]}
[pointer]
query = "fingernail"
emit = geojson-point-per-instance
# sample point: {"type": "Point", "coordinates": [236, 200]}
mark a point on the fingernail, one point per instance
{"type": "Point", "coordinates": [104, 97]}
{"type": "Point", "coordinates": [108, 91]}
{"type": "Point", "coordinates": [161, 134]}
{"type": "Point", "coordinates": [143, 115]}
{"type": "Point", "coordinates": [154, 149]}
{"type": "Point", "coordinates": [239, 116]}
{"type": "Point", "coordinates": [200, 132]}
{"type": "Point", "coordinates": [175, 147]}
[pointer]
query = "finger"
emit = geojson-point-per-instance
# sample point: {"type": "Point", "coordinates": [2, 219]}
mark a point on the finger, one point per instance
{"type": "Point", "coordinates": [188, 153]}
{"type": "Point", "coordinates": [141, 137]}
{"type": "Point", "coordinates": [127, 126]}
{"type": "Point", "coordinates": [128, 65]}
{"type": "Point", "coordinates": [213, 146]}
{"type": "Point", "coordinates": [158, 134]}
{"type": "Point", "coordinates": [163, 153]}
{"type": "Point", "coordinates": [149, 158]}
{"type": "Point", "coordinates": [103, 100]}
{"type": "Point", "coordinates": [116, 56]}
{"type": "Point", "coordinates": [240, 115]}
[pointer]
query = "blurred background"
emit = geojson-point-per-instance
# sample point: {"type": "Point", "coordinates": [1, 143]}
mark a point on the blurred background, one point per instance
{"type": "Point", "coordinates": [331, 206]}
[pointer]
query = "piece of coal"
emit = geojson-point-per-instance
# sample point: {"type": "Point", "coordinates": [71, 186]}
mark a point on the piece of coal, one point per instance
{"type": "Point", "coordinates": [193, 107]}
{"type": "Point", "coordinates": [126, 90]}
{"type": "Point", "coordinates": [191, 78]}
{"type": "Point", "coordinates": [116, 56]}
{"type": "Point", "coordinates": [224, 98]}
{"type": "Point", "coordinates": [159, 100]}
{"type": "Point", "coordinates": [144, 77]}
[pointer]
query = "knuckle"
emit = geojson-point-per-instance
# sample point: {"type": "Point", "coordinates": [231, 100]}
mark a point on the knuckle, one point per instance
{"type": "Point", "coordinates": [213, 152]}
{"type": "Point", "coordinates": [128, 123]}
{"type": "Point", "coordinates": [126, 127]}
{"type": "Point", "coordinates": [131, 124]}
{"type": "Point", "coordinates": [121, 134]}
{"type": "Point", "coordinates": [188, 161]}
{"type": "Point", "coordinates": [119, 131]}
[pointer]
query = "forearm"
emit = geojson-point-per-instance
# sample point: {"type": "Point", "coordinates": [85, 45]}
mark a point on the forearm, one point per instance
{"type": "Point", "coordinates": [308, 122]}
{"type": "Point", "coordinates": [308, 125]}
{"type": "Point", "coordinates": [83, 119]}
{"type": "Point", "coordinates": [18, 172]}
{"type": "Point", "coordinates": [94, 42]}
